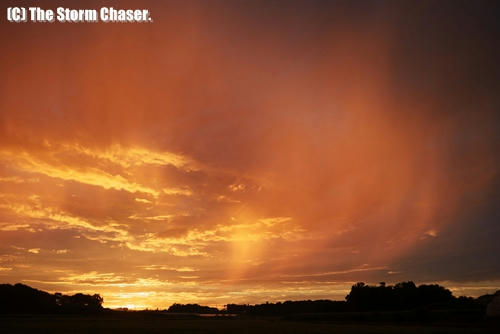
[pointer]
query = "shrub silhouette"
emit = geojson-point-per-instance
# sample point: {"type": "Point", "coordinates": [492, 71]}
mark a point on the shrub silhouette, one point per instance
{"type": "Point", "coordinates": [192, 308]}
{"type": "Point", "coordinates": [288, 307]}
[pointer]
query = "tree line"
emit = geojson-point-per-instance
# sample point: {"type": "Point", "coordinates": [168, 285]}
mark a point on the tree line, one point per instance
{"type": "Point", "coordinates": [20, 298]}
{"type": "Point", "coordinates": [362, 297]}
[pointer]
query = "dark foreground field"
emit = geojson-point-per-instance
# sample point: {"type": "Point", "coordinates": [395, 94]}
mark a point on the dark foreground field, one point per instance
{"type": "Point", "coordinates": [42, 324]}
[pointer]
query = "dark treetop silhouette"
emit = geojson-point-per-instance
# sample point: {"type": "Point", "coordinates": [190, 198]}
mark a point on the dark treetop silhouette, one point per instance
{"type": "Point", "coordinates": [21, 298]}
{"type": "Point", "coordinates": [362, 297]}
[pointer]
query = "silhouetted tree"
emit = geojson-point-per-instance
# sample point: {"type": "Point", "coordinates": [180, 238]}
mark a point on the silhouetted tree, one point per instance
{"type": "Point", "coordinates": [402, 296]}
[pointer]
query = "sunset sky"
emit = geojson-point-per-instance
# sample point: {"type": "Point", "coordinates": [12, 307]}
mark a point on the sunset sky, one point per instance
{"type": "Point", "coordinates": [251, 151]}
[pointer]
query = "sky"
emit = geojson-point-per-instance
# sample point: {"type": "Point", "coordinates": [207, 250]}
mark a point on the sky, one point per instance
{"type": "Point", "coordinates": [251, 151]}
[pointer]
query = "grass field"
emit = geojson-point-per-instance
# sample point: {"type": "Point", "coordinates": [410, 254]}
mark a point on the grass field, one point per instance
{"type": "Point", "coordinates": [146, 324]}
